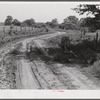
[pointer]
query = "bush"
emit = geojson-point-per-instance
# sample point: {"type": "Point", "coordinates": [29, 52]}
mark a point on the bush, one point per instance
{"type": "Point", "coordinates": [88, 56]}
{"type": "Point", "coordinates": [86, 51]}
{"type": "Point", "coordinates": [62, 57]}
{"type": "Point", "coordinates": [68, 26]}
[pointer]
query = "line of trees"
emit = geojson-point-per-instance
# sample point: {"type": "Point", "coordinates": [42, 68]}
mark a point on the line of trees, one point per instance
{"type": "Point", "coordinates": [68, 23]}
{"type": "Point", "coordinates": [71, 22]}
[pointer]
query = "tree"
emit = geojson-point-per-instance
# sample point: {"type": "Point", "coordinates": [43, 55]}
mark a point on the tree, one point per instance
{"type": "Point", "coordinates": [16, 22]}
{"type": "Point", "coordinates": [89, 9]}
{"type": "Point", "coordinates": [85, 22]}
{"type": "Point", "coordinates": [40, 25]}
{"type": "Point", "coordinates": [82, 22]}
{"type": "Point", "coordinates": [91, 22]}
{"type": "Point", "coordinates": [8, 20]}
{"type": "Point", "coordinates": [71, 22]}
{"type": "Point", "coordinates": [54, 23]}
{"type": "Point", "coordinates": [29, 22]}
{"type": "Point", "coordinates": [71, 19]}
{"type": "Point", "coordinates": [68, 26]}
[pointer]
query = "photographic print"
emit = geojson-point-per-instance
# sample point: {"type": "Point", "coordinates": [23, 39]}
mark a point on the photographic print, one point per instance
{"type": "Point", "coordinates": [50, 45]}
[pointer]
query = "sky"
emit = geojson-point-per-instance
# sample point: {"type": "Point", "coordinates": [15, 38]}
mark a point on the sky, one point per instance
{"type": "Point", "coordinates": [40, 11]}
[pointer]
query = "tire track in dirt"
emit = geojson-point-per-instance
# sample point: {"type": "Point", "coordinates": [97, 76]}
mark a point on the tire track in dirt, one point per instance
{"type": "Point", "coordinates": [28, 78]}
{"type": "Point", "coordinates": [71, 74]}
{"type": "Point", "coordinates": [48, 75]}
{"type": "Point", "coordinates": [42, 81]}
{"type": "Point", "coordinates": [82, 78]}
{"type": "Point", "coordinates": [65, 74]}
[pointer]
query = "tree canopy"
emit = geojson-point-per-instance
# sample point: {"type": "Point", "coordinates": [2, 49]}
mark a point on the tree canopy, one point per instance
{"type": "Point", "coordinates": [71, 19]}
{"type": "Point", "coordinates": [54, 23]}
{"type": "Point", "coordinates": [71, 22]}
{"type": "Point", "coordinates": [88, 9]}
{"type": "Point", "coordinates": [16, 22]}
{"type": "Point", "coordinates": [28, 22]}
{"type": "Point", "coordinates": [92, 22]}
{"type": "Point", "coordinates": [8, 20]}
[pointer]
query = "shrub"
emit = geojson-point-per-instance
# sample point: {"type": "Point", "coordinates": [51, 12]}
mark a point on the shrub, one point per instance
{"type": "Point", "coordinates": [69, 26]}
{"type": "Point", "coordinates": [86, 51]}
{"type": "Point", "coordinates": [88, 56]}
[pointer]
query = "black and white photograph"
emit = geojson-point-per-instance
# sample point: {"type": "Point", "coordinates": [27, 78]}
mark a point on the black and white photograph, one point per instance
{"type": "Point", "coordinates": [50, 46]}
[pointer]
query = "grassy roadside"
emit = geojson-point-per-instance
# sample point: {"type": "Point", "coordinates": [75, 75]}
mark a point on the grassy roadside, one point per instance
{"type": "Point", "coordinates": [8, 68]}
{"type": "Point", "coordinates": [7, 73]}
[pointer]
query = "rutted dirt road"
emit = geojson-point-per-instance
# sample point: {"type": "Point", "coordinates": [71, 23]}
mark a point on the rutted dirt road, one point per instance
{"type": "Point", "coordinates": [36, 74]}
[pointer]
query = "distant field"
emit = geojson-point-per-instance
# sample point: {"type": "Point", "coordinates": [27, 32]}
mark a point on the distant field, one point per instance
{"type": "Point", "coordinates": [20, 32]}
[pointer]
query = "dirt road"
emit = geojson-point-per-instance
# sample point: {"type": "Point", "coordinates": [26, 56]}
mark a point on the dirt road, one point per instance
{"type": "Point", "coordinates": [36, 74]}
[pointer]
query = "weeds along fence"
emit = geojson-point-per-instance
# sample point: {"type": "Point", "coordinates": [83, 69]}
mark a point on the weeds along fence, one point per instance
{"type": "Point", "coordinates": [8, 34]}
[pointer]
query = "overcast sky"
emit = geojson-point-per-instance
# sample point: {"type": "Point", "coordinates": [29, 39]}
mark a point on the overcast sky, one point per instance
{"type": "Point", "coordinates": [40, 11]}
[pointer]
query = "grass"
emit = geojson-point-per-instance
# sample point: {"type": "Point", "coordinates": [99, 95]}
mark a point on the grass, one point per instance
{"type": "Point", "coordinates": [7, 73]}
